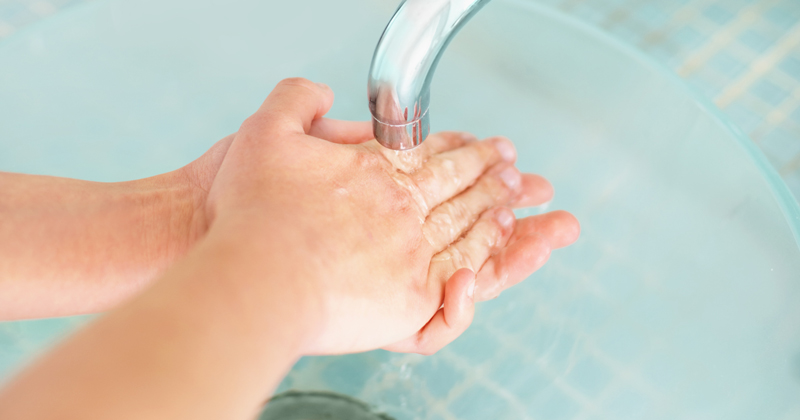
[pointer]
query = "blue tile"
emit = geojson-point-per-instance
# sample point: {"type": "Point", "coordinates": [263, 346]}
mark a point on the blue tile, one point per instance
{"type": "Point", "coordinates": [557, 357]}
{"type": "Point", "coordinates": [525, 381]}
{"type": "Point", "coordinates": [707, 87]}
{"type": "Point", "coordinates": [783, 16]}
{"type": "Point", "coordinates": [587, 312]}
{"type": "Point", "coordinates": [653, 310]}
{"type": "Point", "coordinates": [346, 374]}
{"type": "Point", "coordinates": [439, 376]}
{"type": "Point", "coordinates": [755, 40]}
{"type": "Point", "coordinates": [628, 33]}
{"type": "Point", "coordinates": [651, 15]}
{"type": "Point", "coordinates": [664, 372]}
{"type": "Point", "coordinates": [718, 14]}
{"type": "Point", "coordinates": [480, 403]}
{"type": "Point", "coordinates": [476, 345]}
{"type": "Point", "coordinates": [769, 92]}
{"type": "Point", "coordinates": [10, 10]}
{"type": "Point", "coordinates": [619, 282]}
{"type": "Point", "coordinates": [628, 404]}
{"type": "Point", "coordinates": [625, 344]}
{"type": "Point", "coordinates": [780, 146]}
{"type": "Point", "coordinates": [540, 339]}
{"type": "Point", "coordinates": [553, 404]}
{"type": "Point", "coordinates": [688, 37]}
{"type": "Point", "coordinates": [512, 371]}
{"type": "Point", "coordinates": [726, 64]}
{"type": "Point", "coordinates": [791, 66]}
{"type": "Point", "coordinates": [511, 314]}
{"type": "Point", "coordinates": [589, 13]}
{"type": "Point", "coordinates": [589, 376]}
{"type": "Point", "coordinates": [583, 255]}
{"type": "Point", "coordinates": [744, 117]}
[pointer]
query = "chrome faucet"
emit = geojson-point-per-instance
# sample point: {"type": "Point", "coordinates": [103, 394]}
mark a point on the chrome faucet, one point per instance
{"type": "Point", "coordinates": [403, 66]}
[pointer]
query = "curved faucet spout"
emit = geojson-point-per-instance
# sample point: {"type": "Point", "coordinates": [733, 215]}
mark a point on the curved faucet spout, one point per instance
{"type": "Point", "coordinates": [403, 66]}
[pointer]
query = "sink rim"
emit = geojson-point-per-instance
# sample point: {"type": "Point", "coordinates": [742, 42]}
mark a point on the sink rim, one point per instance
{"type": "Point", "coordinates": [780, 191]}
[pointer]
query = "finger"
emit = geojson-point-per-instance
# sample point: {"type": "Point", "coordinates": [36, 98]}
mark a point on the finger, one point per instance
{"type": "Point", "coordinates": [409, 161]}
{"type": "Point", "coordinates": [511, 265]}
{"type": "Point", "coordinates": [489, 234]}
{"type": "Point", "coordinates": [559, 227]}
{"type": "Point", "coordinates": [451, 219]}
{"type": "Point", "coordinates": [342, 132]}
{"type": "Point", "coordinates": [445, 141]}
{"type": "Point", "coordinates": [446, 174]}
{"type": "Point", "coordinates": [535, 191]}
{"type": "Point", "coordinates": [295, 103]}
{"type": "Point", "coordinates": [449, 322]}
{"type": "Point", "coordinates": [528, 249]}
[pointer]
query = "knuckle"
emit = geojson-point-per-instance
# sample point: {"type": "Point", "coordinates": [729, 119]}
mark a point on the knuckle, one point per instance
{"type": "Point", "coordinates": [264, 120]}
{"type": "Point", "coordinates": [494, 187]}
{"type": "Point", "coordinates": [412, 192]}
{"type": "Point", "coordinates": [459, 259]}
{"type": "Point", "coordinates": [487, 150]}
{"type": "Point", "coordinates": [493, 226]}
{"type": "Point", "coordinates": [400, 202]}
{"type": "Point", "coordinates": [297, 81]}
{"type": "Point", "coordinates": [453, 139]}
{"type": "Point", "coordinates": [445, 263]}
{"type": "Point", "coordinates": [460, 212]}
{"type": "Point", "coordinates": [438, 224]}
{"type": "Point", "coordinates": [251, 123]}
{"type": "Point", "coordinates": [366, 160]}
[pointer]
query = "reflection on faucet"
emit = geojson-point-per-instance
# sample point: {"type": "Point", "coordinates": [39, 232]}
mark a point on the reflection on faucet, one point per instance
{"type": "Point", "coordinates": [403, 66]}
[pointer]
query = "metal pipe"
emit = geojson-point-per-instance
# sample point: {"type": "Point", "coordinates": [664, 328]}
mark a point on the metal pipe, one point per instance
{"type": "Point", "coordinates": [403, 66]}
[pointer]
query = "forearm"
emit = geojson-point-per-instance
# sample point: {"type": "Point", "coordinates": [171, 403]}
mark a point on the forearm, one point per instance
{"type": "Point", "coordinates": [196, 345]}
{"type": "Point", "coordinates": [69, 246]}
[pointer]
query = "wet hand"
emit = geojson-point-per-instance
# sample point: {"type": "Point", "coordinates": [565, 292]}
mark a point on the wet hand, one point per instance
{"type": "Point", "coordinates": [392, 249]}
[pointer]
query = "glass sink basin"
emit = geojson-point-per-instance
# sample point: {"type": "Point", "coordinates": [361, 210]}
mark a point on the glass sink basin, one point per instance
{"type": "Point", "coordinates": [680, 300]}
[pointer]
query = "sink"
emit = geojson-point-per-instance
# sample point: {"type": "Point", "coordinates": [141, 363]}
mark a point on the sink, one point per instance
{"type": "Point", "coordinates": [680, 300]}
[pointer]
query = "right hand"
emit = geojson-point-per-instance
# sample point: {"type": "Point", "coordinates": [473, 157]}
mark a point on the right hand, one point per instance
{"type": "Point", "coordinates": [375, 241]}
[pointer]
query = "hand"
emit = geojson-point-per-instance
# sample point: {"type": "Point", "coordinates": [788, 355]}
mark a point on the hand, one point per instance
{"type": "Point", "coordinates": [309, 247]}
{"type": "Point", "coordinates": [378, 240]}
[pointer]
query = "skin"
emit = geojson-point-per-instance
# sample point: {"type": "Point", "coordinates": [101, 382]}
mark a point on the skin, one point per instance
{"type": "Point", "coordinates": [297, 235]}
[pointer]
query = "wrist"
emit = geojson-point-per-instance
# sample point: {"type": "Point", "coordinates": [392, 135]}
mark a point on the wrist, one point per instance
{"type": "Point", "coordinates": [270, 275]}
{"type": "Point", "coordinates": [171, 215]}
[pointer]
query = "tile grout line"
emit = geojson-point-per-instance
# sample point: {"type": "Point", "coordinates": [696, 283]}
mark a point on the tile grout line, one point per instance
{"type": "Point", "coordinates": [683, 15]}
{"type": "Point", "coordinates": [759, 67]}
{"type": "Point", "coordinates": [723, 37]}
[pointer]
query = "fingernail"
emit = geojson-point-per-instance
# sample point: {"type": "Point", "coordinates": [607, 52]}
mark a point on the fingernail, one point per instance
{"type": "Point", "coordinates": [511, 177]}
{"type": "Point", "coordinates": [324, 86]}
{"type": "Point", "coordinates": [505, 218]}
{"type": "Point", "coordinates": [506, 149]}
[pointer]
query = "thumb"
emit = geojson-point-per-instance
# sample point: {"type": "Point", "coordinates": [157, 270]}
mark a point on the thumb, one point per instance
{"type": "Point", "coordinates": [449, 322]}
{"type": "Point", "coordinates": [295, 103]}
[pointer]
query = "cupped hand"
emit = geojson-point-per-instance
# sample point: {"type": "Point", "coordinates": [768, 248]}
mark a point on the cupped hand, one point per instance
{"type": "Point", "coordinates": [392, 248]}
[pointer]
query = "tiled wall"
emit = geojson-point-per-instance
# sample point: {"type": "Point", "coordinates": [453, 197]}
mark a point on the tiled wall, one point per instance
{"type": "Point", "coordinates": [742, 54]}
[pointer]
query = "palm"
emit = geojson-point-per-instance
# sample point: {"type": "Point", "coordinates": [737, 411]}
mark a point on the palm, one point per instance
{"type": "Point", "coordinates": [387, 232]}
